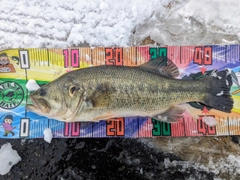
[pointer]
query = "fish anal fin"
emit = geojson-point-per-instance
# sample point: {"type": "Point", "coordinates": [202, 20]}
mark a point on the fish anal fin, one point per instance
{"type": "Point", "coordinates": [173, 114]}
{"type": "Point", "coordinates": [161, 65]}
{"type": "Point", "coordinates": [101, 96]}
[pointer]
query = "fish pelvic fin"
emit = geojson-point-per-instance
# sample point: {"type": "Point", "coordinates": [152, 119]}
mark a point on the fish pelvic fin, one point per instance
{"type": "Point", "coordinates": [173, 114]}
{"type": "Point", "coordinates": [101, 96]}
{"type": "Point", "coordinates": [161, 65]}
{"type": "Point", "coordinates": [218, 96]}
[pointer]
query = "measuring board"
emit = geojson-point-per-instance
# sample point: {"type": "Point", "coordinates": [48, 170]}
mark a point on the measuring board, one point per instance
{"type": "Point", "coordinates": [17, 66]}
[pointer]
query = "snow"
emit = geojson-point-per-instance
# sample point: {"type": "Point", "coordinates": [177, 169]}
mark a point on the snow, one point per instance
{"type": "Point", "coordinates": [8, 158]}
{"type": "Point", "coordinates": [174, 163]}
{"type": "Point", "coordinates": [48, 135]}
{"type": "Point", "coordinates": [117, 23]}
{"type": "Point", "coordinates": [229, 165]}
{"type": "Point", "coordinates": [209, 120]}
{"type": "Point", "coordinates": [32, 85]}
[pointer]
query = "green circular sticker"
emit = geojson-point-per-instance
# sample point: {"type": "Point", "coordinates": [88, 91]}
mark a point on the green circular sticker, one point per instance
{"type": "Point", "coordinates": [11, 94]}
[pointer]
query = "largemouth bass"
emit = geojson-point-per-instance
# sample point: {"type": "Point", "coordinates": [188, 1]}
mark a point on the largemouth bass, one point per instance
{"type": "Point", "coordinates": [149, 90]}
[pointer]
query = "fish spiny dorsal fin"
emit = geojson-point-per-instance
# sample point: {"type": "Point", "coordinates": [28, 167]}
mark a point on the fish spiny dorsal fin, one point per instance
{"type": "Point", "coordinates": [161, 65]}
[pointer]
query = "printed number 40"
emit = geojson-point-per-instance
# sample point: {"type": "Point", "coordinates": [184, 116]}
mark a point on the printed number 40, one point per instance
{"type": "Point", "coordinates": [203, 56]}
{"type": "Point", "coordinates": [204, 128]}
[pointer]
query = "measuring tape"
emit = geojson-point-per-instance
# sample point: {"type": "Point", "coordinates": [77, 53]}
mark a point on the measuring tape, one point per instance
{"type": "Point", "coordinates": [17, 66]}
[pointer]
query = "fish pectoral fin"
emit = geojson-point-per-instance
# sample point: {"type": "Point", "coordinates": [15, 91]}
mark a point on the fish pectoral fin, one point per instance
{"type": "Point", "coordinates": [173, 114]}
{"type": "Point", "coordinates": [102, 95]}
{"type": "Point", "coordinates": [161, 65]}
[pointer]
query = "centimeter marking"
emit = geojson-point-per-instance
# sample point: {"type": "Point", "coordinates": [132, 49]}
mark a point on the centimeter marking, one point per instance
{"type": "Point", "coordinates": [131, 56]}
{"type": "Point", "coordinates": [129, 127]}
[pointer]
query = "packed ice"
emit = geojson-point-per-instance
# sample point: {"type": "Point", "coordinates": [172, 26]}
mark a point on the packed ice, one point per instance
{"type": "Point", "coordinates": [220, 94]}
{"type": "Point", "coordinates": [214, 74]}
{"type": "Point", "coordinates": [209, 120]}
{"type": "Point", "coordinates": [8, 158]}
{"type": "Point", "coordinates": [120, 23]}
{"type": "Point", "coordinates": [48, 135]}
{"type": "Point", "coordinates": [32, 85]}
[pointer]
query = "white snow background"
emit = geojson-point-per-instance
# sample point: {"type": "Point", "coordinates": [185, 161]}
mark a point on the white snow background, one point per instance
{"type": "Point", "coordinates": [67, 23]}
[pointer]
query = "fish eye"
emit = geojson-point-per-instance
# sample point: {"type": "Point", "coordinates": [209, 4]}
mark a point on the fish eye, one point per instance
{"type": "Point", "coordinates": [73, 89]}
{"type": "Point", "coordinates": [42, 92]}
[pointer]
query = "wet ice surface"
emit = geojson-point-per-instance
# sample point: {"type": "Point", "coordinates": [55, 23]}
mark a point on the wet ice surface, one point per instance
{"type": "Point", "coordinates": [98, 159]}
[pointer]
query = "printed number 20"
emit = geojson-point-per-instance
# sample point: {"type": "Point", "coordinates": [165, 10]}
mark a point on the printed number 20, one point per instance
{"type": "Point", "coordinates": [115, 127]}
{"type": "Point", "coordinates": [114, 56]}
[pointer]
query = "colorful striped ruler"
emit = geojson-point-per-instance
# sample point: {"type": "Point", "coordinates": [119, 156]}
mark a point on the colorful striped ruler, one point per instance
{"type": "Point", "coordinates": [17, 66]}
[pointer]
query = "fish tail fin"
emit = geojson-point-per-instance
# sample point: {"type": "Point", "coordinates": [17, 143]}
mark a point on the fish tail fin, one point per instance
{"type": "Point", "coordinates": [218, 96]}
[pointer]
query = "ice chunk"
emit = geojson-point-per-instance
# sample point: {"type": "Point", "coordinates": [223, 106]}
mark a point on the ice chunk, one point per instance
{"type": "Point", "coordinates": [227, 83]}
{"type": "Point", "coordinates": [225, 41]}
{"type": "Point", "coordinates": [32, 85]}
{"type": "Point", "coordinates": [167, 162]}
{"type": "Point", "coordinates": [220, 94]}
{"type": "Point", "coordinates": [162, 118]}
{"type": "Point", "coordinates": [8, 158]}
{"type": "Point", "coordinates": [209, 120]}
{"type": "Point", "coordinates": [48, 135]}
{"type": "Point", "coordinates": [214, 74]}
{"type": "Point", "coordinates": [229, 71]}
{"type": "Point", "coordinates": [88, 57]}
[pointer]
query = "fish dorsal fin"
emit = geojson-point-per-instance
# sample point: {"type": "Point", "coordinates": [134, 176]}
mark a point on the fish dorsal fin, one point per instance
{"type": "Point", "coordinates": [161, 65]}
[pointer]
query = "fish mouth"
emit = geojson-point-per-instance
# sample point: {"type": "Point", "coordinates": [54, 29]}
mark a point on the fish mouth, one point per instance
{"type": "Point", "coordinates": [38, 106]}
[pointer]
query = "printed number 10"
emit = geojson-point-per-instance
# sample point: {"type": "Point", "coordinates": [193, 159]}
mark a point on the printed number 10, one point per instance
{"type": "Point", "coordinates": [74, 61]}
